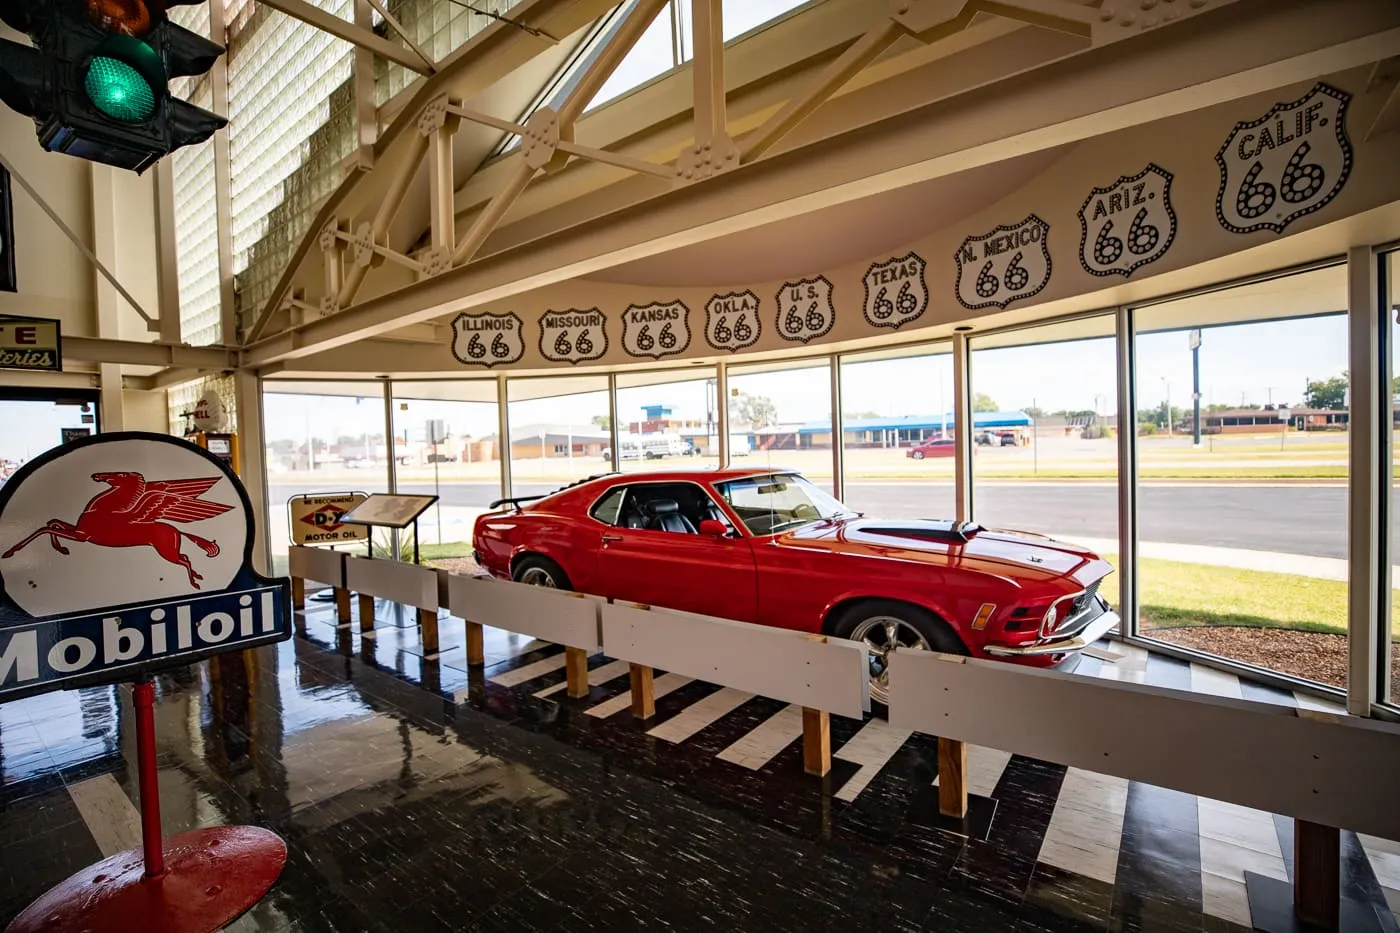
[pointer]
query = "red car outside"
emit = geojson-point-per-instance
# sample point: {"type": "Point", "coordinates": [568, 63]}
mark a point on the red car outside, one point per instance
{"type": "Point", "coordinates": [766, 546]}
{"type": "Point", "coordinates": [933, 447]}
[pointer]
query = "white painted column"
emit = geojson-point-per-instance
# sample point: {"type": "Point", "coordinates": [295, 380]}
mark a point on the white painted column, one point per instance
{"type": "Point", "coordinates": [1127, 474]}
{"type": "Point", "coordinates": [962, 429]}
{"type": "Point", "coordinates": [1364, 497]}
{"type": "Point", "coordinates": [252, 465]}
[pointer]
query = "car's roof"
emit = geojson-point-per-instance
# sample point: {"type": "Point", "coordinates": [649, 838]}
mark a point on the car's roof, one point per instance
{"type": "Point", "coordinates": [708, 474]}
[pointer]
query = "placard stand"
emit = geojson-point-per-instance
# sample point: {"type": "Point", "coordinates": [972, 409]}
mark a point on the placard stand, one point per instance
{"type": "Point", "coordinates": [196, 882]}
{"type": "Point", "coordinates": [389, 510]}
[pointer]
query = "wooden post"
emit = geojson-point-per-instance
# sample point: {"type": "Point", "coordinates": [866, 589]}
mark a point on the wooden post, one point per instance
{"type": "Point", "coordinates": [643, 699]}
{"type": "Point", "coordinates": [342, 605]}
{"type": "Point", "coordinates": [366, 612]}
{"type": "Point", "coordinates": [428, 625]}
{"type": "Point", "coordinates": [1317, 873]}
{"type": "Point", "coordinates": [816, 741]}
{"type": "Point", "coordinates": [298, 593]}
{"type": "Point", "coordinates": [952, 777]}
{"type": "Point", "coordinates": [576, 667]}
{"type": "Point", "coordinates": [476, 645]}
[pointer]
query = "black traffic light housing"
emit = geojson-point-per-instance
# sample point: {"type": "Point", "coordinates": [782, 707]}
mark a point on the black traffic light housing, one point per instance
{"type": "Point", "coordinates": [96, 79]}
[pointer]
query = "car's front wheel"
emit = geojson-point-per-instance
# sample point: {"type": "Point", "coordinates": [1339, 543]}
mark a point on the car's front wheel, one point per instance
{"type": "Point", "coordinates": [917, 455]}
{"type": "Point", "coordinates": [535, 570]}
{"type": "Point", "coordinates": [886, 626]}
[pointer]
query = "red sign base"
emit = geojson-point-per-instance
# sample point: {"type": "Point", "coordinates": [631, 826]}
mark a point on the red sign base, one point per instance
{"type": "Point", "coordinates": [211, 877]}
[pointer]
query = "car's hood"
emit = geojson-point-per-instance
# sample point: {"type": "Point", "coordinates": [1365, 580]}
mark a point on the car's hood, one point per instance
{"type": "Point", "coordinates": [1017, 555]}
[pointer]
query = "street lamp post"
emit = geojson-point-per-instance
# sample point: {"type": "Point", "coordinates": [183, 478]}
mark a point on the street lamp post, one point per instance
{"type": "Point", "coordinates": [1167, 415]}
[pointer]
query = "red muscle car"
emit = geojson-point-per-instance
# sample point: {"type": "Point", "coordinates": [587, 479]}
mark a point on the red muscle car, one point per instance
{"type": "Point", "coordinates": [769, 546]}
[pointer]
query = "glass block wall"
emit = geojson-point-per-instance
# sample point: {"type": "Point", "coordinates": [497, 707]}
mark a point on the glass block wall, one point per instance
{"type": "Point", "coordinates": [196, 208]}
{"type": "Point", "coordinates": [182, 399]}
{"type": "Point", "coordinates": [438, 27]}
{"type": "Point", "coordinates": [291, 126]}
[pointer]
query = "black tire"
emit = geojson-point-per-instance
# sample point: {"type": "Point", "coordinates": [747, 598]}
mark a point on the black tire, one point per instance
{"type": "Point", "coordinates": [934, 631]}
{"type": "Point", "coordinates": [918, 455]}
{"type": "Point", "coordinates": [530, 568]}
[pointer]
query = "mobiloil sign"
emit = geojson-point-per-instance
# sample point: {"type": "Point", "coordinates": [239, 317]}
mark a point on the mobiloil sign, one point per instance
{"type": "Point", "coordinates": [124, 554]}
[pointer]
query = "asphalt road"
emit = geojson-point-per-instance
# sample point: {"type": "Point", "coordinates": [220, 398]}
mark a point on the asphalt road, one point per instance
{"type": "Point", "coordinates": [1308, 520]}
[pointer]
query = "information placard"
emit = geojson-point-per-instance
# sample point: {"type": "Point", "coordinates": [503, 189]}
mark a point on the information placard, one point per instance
{"type": "Point", "coordinates": [389, 510]}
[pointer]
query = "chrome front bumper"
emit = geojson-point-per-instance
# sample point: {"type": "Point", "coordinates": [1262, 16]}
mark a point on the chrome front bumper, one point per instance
{"type": "Point", "coordinates": [1096, 629]}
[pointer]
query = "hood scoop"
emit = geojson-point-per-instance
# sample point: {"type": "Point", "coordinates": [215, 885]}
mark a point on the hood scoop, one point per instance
{"type": "Point", "coordinates": [942, 531]}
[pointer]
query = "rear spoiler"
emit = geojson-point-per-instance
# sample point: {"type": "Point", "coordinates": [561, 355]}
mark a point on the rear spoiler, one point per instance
{"type": "Point", "coordinates": [514, 501]}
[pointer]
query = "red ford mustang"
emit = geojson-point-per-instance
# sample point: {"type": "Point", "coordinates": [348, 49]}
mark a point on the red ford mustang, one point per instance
{"type": "Point", "coordinates": [766, 546]}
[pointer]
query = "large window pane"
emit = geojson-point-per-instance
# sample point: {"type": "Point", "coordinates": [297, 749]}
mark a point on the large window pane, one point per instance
{"type": "Point", "coordinates": [654, 54]}
{"type": "Point", "coordinates": [1045, 457]}
{"type": "Point", "coordinates": [667, 420]}
{"type": "Point", "coordinates": [445, 433]}
{"type": "Point", "coordinates": [1242, 525]}
{"type": "Point", "coordinates": [1390, 318]}
{"type": "Point", "coordinates": [893, 403]}
{"type": "Point", "coordinates": [321, 437]}
{"type": "Point", "coordinates": [558, 431]}
{"type": "Point", "coordinates": [780, 415]}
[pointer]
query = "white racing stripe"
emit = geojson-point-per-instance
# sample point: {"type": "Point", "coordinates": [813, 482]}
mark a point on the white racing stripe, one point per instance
{"type": "Point", "coordinates": [1087, 825]}
{"type": "Point", "coordinates": [110, 815]}
{"type": "Point", "coordinates": [529, 671]}
{"type": "Point", "coordinates": [700, 714]}
{"type": "Point", "coordinates": [871, 748]}
{"type": "Point", "coordinates": [766, 740]}
{"type": "Point", "coordinates": [659, 688]}
{"type": "Point", "coordinates": [598, 675]}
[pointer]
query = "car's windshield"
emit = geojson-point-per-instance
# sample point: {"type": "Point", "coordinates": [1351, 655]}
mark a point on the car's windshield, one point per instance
{"type": "Point", "coordinates": [770, 504]}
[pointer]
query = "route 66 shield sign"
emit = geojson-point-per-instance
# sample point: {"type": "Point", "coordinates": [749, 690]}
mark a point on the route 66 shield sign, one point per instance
{"type": "Point", "coordinates": [656, 330]}
{"type": "Point", "coordinates": [1004, 265]}
{"type": "Point", "coordinates": [1127, 224]}
{"type": "Point", "coordinates": [804, 309]}
{"type": "Point", "coordinates": [1290, 162]}
{"type": "Point", "coordinates": [731, 321]}
{"type": "Point", "coordinates": [484, 339]}
{"type": "Point", "coordinates": [573, 336]}
{"type": "Point", "coordinates": [895, 291]}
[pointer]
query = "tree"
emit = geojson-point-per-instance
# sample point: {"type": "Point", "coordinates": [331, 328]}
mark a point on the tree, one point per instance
{"type": "Point", "coordinates": [1034, 413]}
{"type": "Point", "coordinates": [603, 422]}
{"type": "Point", "coordinates": [981, 401]}
{"type": "Point", "coordinates": [1327, 393]}
{"type": "Point", "coordinates": [854, 415]}
{"type": "Point", "coordinates": [756, 410]}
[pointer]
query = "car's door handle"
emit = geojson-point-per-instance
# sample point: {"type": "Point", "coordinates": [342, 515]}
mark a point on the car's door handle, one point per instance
{"type": "Point", "coordinates": [607, 538]}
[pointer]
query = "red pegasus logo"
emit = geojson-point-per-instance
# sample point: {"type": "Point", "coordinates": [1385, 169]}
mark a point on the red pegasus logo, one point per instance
{"type": "Point", "coordinates": [126, 516]}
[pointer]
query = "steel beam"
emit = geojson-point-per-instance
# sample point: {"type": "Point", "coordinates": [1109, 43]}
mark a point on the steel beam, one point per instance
{"type": "Point", "coordinates": [403, 33]}
{"type": "Point", "coordinates": [384, 216]}
{"type": "Point", "coordinates": [167, 251]}
{"type": "Point", "coordinates": [363, 38]}
{"type": "Point", "coordinates": [962, 429]}
{"type": "Point", "coordinates": [223, 183]}
{"type": "Point", "coordinates": [1166, 77]}
{"type": "Point", "coordinates": [487, 57]}
{"type": "Point", "coordinates": [135, 353]}
{"type": "Point", "coordinates": [578, 100]}
{"type": "Point", "coordinates": [707, 35]}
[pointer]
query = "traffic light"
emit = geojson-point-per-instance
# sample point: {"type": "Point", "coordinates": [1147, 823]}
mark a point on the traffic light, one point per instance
{"type": "Point", "coordinates": [96, 79]}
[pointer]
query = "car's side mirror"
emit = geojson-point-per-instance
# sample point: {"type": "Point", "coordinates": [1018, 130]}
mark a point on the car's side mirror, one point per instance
{"type": "Point", "coordinates": [714, 528]}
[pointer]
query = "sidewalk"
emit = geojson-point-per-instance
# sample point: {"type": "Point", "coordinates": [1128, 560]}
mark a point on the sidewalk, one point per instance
{"type": "Point", "coordinates": [1300, 565]}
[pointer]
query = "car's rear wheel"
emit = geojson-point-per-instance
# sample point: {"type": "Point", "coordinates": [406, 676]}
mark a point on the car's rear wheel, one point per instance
{"type": "Point", "coordinates": [886, 626]}
{"type": "Point", "coordinates": [917, 455]}
{"type": "Point", "coordinates": [535, 570]}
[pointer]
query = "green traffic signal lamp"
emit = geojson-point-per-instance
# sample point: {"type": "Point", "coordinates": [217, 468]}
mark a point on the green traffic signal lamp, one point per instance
{"type": "Point", "coordinates": [125, 79]}
{"type": "Point", "coordinates": [96, 78]}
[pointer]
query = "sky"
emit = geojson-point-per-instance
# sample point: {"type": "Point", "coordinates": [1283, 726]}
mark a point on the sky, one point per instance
{"type": "Point", "coordinates": [1255, 363]}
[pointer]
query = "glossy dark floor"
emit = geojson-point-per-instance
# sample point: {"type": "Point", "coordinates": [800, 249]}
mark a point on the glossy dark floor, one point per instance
{"type": "Point", "coordinates": [414, 795]}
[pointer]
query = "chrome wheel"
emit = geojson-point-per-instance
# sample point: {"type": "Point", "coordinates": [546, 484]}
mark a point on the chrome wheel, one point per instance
{"type": "Point", "coordinates": [538, 576]}
{"type": "Point", "coordinates": [882, 635]}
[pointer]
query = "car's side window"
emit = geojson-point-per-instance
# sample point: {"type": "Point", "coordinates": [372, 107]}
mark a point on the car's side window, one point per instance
{"type": "Point", "coordinates": [608, 508]}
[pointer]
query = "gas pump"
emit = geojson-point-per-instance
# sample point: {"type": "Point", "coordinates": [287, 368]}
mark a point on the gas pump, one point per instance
{"type": "Point", "coordinates": [207, 423]}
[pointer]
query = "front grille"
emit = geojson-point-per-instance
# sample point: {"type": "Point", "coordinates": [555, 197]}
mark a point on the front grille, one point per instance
{"type": "Point", "coordinates": [1085, 609]}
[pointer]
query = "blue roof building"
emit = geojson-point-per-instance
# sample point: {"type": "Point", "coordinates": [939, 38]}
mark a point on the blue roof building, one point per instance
{"type": "Point", "coordinates": [893, 431]}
